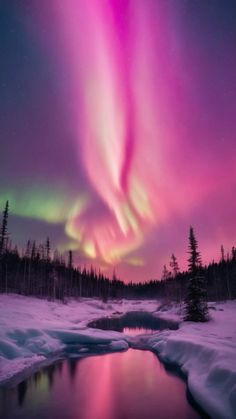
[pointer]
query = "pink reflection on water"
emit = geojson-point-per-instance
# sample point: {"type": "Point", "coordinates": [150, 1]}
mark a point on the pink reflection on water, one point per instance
{"type": "Point", "coordinates": [137, 331]}
{"type": "Point", "coordinates": [132, 384]}
{"type": "Point", "coordinates": [124, 385]}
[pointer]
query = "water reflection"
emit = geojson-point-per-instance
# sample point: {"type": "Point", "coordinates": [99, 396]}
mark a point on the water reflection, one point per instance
{"type": "Point", "coordinates": [51, 372]}
{"type": "Point", "coordinates": [136, 320]}
{"type": "Point", "coordinates": [72, 363]}
{"type": "Point", "coordinates": [131, 384]}
{"type": "Point", "coordinates": [21, 390]}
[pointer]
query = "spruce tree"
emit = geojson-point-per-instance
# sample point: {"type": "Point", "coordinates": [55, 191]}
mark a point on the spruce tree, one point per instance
{"type": "Point", "coordinates": [174, 265]}
{"type": "Point", "coordinates": [222, 251]}
{"type": "Point", "coordinates": [48, 250]}
{"type": "Point", "coordinates": [70, 260]}
{"type": "Point", "coordinates": [3, 230]}
{"type": "Point", "coordinates": [165, 274]}
{"type": "Point", "coordinates": [195, 303]}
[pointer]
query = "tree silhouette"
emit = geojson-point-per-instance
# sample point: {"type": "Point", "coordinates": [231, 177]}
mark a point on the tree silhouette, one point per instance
{"type": "Point", "coordinates": [222, 251]}
{"type": "Point", "coordinates": [70, 259]}
{"type": "Point", "coordinates": [165, 273]}
{"type": "Point", "coordinates": [174, 265]}
{"type": "Point", "coordinates": [195, 303]}
{"type": "Point", "coordinates": [3, 231]}
{"type": "Point", "coordinates": [33, 271]}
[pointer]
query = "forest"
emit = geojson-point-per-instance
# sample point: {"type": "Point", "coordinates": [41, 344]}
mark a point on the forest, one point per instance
{"type": "Point", "coordinates": [39, 271]}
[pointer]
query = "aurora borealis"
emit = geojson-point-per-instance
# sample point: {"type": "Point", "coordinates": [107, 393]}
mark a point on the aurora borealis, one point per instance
{"type": "Point", "coordinates": [117, 127]}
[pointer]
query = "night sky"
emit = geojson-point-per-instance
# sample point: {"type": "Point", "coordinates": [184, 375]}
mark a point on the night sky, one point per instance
{"type": "Point", "coordinates": [118, 128]}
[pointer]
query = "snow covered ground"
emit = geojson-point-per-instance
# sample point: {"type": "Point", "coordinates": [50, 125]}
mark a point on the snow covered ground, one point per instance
{"type": "Point", "coordinates": [34, 332]}
{"type": "Point", "coordinates": [206, 353]}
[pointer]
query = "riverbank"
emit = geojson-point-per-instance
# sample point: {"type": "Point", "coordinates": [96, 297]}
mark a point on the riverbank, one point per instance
{"type": "Point", "coordinates": [206, 353]}
{"type": "Point", "coordinates": [33, 332]}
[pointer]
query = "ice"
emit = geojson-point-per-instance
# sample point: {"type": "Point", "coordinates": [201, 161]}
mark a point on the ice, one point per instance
{"type": "Point", "coordinates": [119, 345]}
{"type": "Point", "coordinates": [8, 350]}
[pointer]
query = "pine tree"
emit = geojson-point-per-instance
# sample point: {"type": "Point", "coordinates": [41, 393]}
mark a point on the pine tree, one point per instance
{"type": "Point", "coordinates": [70, 259]}
{"type": "Point", "coordinates": [165, 273]}
{"type": "Point", "coordinates": [176, 285]}
{"type": "Point", "coordinates": [3, 230]}
{"type": "Point", "coordinates": [33, 251]}
{"type": "Point", "coordinates": [48, 250]}
{"type": "Point", "coordinates": [222, 251]}
{"type": "Point", "coordinates": [195, 303]}
{"type": "Point", "coordinates": [174, 265]}
{"type": "Point", "coordinates": [70, 271]}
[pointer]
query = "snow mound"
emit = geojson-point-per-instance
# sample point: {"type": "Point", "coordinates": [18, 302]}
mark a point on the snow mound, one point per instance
{"type": "Point", "coordinates": [52, 327]}
{"type": "Point", "coordinates": [119, 345]}
{"type": "Point", "coordinates": [206, 353]}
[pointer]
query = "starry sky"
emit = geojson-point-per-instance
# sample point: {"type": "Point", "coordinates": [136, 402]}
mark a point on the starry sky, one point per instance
{"type": "Point", "coordinates": [118, 128]}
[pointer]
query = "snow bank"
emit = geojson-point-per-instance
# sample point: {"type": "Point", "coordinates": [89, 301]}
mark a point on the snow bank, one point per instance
{"type": "Point", "coordinates": [33, 331]}
{"type": "Point", "coordinates": [206, 353]}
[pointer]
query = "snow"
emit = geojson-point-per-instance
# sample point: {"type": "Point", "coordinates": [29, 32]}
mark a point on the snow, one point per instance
{"type": "Point", "coordinates": [206, 353]}
{"type": "Point", "coordinates": [35, 332]}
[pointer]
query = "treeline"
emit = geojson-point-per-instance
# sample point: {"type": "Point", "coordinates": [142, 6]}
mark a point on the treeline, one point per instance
{"type": "Point", "coordinates": [220, 279]}
{"type": "Point", "coordinates": [41, 272]}
{"type": "Point", "coordinates": [38, 274]}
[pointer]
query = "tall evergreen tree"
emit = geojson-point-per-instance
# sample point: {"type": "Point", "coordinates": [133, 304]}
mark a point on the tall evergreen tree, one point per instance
{"type": "Point", "coordinates": [222, 251]}
{"type": "Point", "coordinates": [165, 274]}
{"type": "Point", "coordinates": [48, 250]}
{"type": "Point", "coordinates": [174, 265]}
{"type": "Point", "coordinates": [70, 259]}
{"type": "Point", "coordinates": [195, 303]}
{"type": "Point", "coordinates": [3, 230]}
